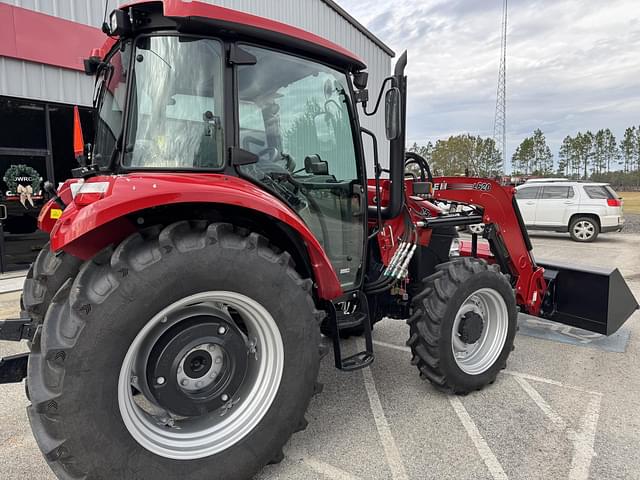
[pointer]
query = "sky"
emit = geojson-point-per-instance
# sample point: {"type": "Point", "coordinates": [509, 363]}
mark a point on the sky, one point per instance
{"type": "Point", "coordinates": [572, 65]}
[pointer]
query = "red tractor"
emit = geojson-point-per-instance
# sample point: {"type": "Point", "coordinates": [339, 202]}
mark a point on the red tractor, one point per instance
{"type": "Point", "coordinates": [223, 222]}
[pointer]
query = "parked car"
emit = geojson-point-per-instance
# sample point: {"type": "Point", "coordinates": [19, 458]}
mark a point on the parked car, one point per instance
{"type": "Point", "coordinates": [584, 209]}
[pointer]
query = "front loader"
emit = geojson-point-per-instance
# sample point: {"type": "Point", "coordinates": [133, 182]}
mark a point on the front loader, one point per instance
{"type": "Point", "coordinates": [222, 222]}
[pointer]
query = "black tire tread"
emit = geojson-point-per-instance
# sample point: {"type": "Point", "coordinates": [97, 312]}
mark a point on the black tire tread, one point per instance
{"type": "Point", "coordinates": [429, 308]}
{"type": "Point", "coordinates": [47, 274]}
{"type": "Point", "coordinates": [96, 281]}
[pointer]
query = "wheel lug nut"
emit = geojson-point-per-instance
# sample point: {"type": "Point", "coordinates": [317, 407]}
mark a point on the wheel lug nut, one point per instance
{"type": "Point", "coordinates": [160, 380]}
{"type": "Point", "coordinates": [184, 382]}
{"type": "Point", "coordinates": [198, 384]}
{"type": "Point", "coordinates": [225, 397]}
{"type": "Point", "coordinates": [222, 330]}
{"type": "Point", "coordinates": [218, 361]}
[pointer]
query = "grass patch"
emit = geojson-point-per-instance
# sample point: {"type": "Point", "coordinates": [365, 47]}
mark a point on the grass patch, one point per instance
{"type": "Point", "coordinates": [631, 202]}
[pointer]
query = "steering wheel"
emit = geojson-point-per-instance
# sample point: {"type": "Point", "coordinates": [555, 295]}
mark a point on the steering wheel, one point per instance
{"type": "Point", "coordinates": [280, 159]}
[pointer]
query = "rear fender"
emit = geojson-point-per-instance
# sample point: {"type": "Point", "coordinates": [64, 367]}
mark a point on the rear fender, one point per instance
{"type": "Point", "coordinates": [85, 230]}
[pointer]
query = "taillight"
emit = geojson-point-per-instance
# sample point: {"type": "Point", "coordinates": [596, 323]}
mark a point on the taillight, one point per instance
{"type": "Point", "coordinates": [614, 202]}
{"type": "Point", "coordinates": [89, 192]}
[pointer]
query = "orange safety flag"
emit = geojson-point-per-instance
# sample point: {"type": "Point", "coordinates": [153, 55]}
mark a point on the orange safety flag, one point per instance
{"type": "Point", "coordinates": [78, 140]}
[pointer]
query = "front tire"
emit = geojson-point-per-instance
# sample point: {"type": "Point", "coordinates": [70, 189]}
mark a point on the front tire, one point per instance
{"type": "Point", "coordinates": [463, 325]}
{"type": "Point", "coordinates": [123, 319]}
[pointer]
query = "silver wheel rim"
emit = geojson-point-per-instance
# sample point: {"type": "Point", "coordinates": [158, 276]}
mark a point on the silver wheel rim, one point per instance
{"type": "Point", "coordinates": [477, 229]}
{"type": "Point", "coordinates": [584, 230]}
{"type": "Point", "coordinates": [199, 437]}
{"type": "Point", "coordinates": [476, 358]}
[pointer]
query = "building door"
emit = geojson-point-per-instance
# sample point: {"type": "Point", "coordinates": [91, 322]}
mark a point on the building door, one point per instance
{"type": "Point", "coordinates": [25, 164]}
{"type": "Point", "coordinates": [36, 145]}
{"type": "Point", "coordinates": [21, 179]}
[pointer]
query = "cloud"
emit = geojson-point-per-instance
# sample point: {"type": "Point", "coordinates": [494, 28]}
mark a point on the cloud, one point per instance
{"type": "Point", "coordinates": [571, 65]}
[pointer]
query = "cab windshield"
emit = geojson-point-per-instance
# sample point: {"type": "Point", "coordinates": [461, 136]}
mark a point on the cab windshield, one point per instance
{"type": "Point", "coordinates": [176, 104]}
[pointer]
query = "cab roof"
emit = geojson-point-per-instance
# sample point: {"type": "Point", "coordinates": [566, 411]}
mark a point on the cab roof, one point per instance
{"type": "Point", "coordinates": [193, 15]}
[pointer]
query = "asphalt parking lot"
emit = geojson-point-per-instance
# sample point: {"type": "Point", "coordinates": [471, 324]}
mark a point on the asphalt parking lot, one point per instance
{"type": "Point", "coordinates": [562, 409]}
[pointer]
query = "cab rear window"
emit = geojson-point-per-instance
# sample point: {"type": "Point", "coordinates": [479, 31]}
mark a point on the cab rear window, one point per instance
{"type": "Point", "coordinates": [596, 192]}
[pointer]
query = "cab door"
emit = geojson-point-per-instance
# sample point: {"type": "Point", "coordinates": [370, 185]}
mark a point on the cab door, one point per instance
{"type": "Point", "coordinates": [294, 116]}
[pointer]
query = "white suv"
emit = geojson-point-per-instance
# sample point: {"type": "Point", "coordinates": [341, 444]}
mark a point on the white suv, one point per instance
{"type": "Point", "coordinates": [584, 209]}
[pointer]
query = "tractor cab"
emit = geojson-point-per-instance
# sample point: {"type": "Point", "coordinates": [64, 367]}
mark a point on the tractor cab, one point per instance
{"type": "Point", "coordinates": [177, 94]}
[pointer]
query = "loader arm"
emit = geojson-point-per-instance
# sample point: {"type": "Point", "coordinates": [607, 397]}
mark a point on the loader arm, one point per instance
{"type": "Point", "coordinates": [505, 231]}
{"type": "Point", "coordinates": [549, 290]}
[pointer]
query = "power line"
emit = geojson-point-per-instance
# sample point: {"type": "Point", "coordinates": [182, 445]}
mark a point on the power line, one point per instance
{"type": "Point", "coordinates": [500, 119]}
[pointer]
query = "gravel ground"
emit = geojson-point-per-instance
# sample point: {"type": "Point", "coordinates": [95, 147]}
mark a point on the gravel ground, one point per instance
{"type": "Point", "coordinates": [632, 223]}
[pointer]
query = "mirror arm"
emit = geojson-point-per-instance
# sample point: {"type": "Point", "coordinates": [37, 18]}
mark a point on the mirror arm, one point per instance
{"type": "Point", "coordinates": [375, 109]}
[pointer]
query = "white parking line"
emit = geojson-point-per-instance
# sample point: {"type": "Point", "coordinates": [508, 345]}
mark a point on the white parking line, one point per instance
{"type": "Point", "coordinates": [557, 420]}
{"type": "Point", "coordinates": [535, 378]}
{"type": "Point", "coordinates": [585, 440]}
{"type": "Point", "coordinates": [481, 445]}
{"type": "Point", "coordinates": [329, 471]}
{"type": "Point", "coordinates": [394, 459]}
{"type": "Point", "coordinates": [391, 345]}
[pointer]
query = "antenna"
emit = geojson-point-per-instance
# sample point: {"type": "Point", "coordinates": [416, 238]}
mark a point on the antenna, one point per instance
{"type": "Point", "coordinates": [500, 119]}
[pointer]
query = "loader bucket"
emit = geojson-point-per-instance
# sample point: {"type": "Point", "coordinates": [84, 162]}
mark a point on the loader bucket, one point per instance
{"type": "Point", "coordinates": [591, 298]}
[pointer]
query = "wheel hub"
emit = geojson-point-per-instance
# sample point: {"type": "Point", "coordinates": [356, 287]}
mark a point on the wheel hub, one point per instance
{"type": "Point", "coordinates": [200, 367]}
{"type": "Point", "coordinates": [471, 326]}
{"type": "Point", "coordinates": [197, 365]}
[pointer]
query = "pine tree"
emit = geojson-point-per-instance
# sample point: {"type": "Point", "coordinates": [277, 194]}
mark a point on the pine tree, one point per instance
{"type": "Point", "coordinates": [543, 158]}
{"type": "Point", "coordinates": [628, 148]}
{"type": "Point", "coordinates": [583, 150]}
{"type": "Point", "coordinates": [565, 155]}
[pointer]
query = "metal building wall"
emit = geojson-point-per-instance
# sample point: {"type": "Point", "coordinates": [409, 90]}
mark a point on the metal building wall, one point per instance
{"type": "Point", "coordinates": [43, 82]}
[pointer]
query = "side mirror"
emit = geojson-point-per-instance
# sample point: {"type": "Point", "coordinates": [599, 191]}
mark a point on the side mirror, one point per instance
{"type": "Point", "coordinates": [392, 113]}
{"type": "Point", "coordinates": [314, 165]}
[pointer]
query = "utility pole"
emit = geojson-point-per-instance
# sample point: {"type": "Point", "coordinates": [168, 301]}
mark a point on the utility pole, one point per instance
{"type": "Point", "coordinates": [500, 119]}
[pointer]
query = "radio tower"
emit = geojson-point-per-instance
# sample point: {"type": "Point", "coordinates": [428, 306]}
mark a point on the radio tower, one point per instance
{"type": "Point", "coordinates": [500, 119]}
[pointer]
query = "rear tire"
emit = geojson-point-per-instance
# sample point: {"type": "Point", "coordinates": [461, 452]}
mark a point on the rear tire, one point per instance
{"type": "Point", "coordinates": [463, 325]}
{"type": "Point", "coordinates": [76, 368]}
{"type": "Point", "coordinates": [47, 274]}
{"type": "Point", "coordinates": [584, 229]}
